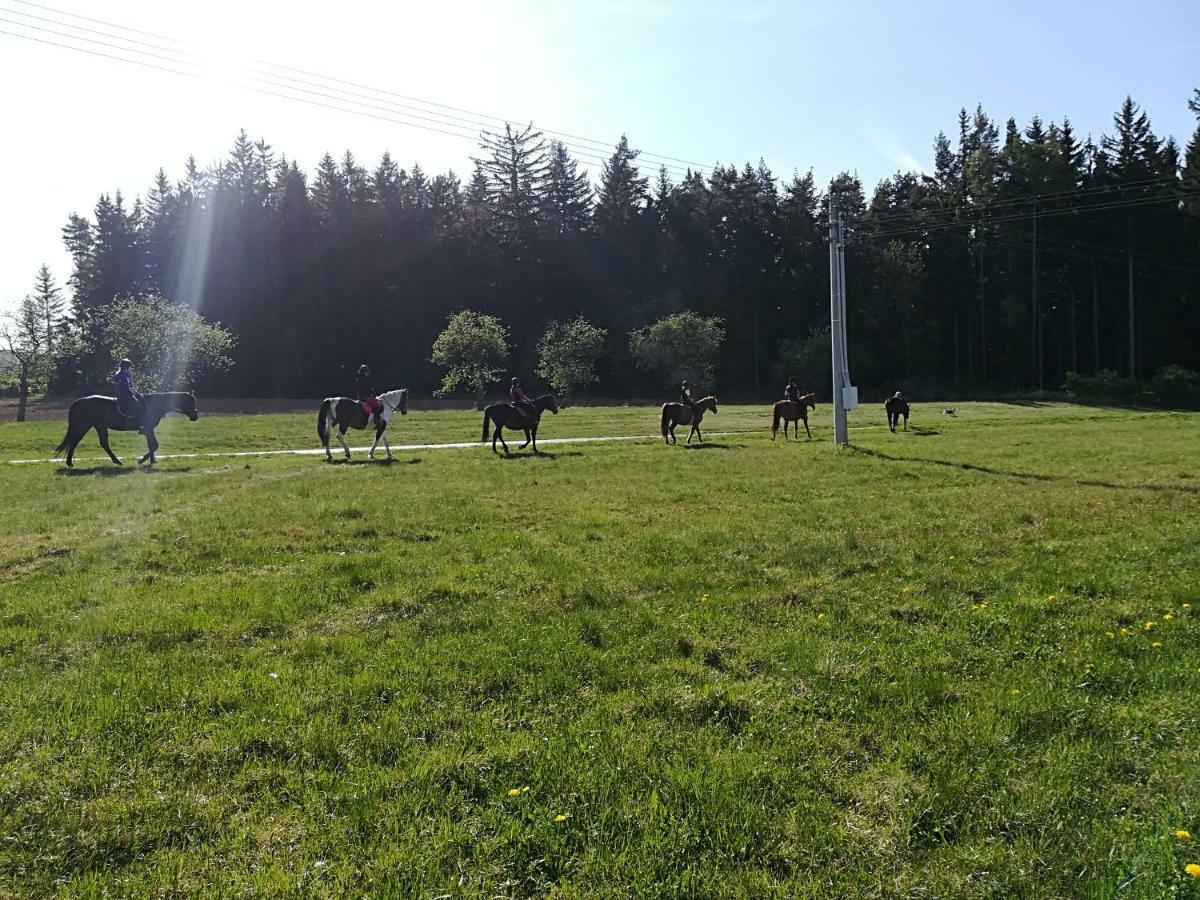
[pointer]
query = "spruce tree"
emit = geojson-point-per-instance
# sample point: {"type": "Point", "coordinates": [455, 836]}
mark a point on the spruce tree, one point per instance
{"type": "Point", "coordinates": [623, 190]}
{"type": "Point", "coordinates": [516, 167]}
{"type": "Point", "coordinates": [567, 200]}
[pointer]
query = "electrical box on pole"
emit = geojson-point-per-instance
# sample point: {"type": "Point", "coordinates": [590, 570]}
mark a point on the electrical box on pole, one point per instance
{"type": "Point", "coordinates": [845, 395]}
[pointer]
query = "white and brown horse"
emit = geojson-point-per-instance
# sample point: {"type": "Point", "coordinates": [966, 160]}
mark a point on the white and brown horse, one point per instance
{"type": "Point", "coordinates": [681, 414]}
{"type": "Point", "coordinates": [345, 412]}
{"type": "Point", "coordinates": [794, 411]}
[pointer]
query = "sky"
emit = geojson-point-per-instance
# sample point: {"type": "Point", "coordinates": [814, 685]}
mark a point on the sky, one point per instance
{"type": "Point", "coordinates": [858, 86]}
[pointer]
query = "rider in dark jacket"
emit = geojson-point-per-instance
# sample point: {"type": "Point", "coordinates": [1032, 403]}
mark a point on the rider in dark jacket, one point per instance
{"type": "Point", "coordinates": [685, 396]}
{"type": "Point", "coordinates": [791, 392]}
{"type": "Point", "coordinates": [365, 392]}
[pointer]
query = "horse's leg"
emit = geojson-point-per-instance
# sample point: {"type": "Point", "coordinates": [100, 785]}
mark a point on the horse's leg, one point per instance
{"type": "Point", "coordinates": [806, 431]}
{"type": "Point", "coordinates": [386, 445]}
{"type": "Point", "coordinates": [342, 437]}
{"type": "Point", "coordinates": [906, 421]}
{"type": "Point", "coordinates": [374, 443]}
{"type": "Point", "coordinates": [503, 443]}
{"type": "Point", "coordinates": [528, 438]}
{"type": "Point", "coordinates": [73, 439]}
{"type": "Point", "coordinates": [151, 447]}
{"type": "Point", "coordinates": [533, 437]}
{"type": "Point", "coordinates": [102, 431]}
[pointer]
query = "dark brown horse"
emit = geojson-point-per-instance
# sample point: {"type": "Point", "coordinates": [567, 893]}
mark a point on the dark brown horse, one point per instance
{"type": "Point", "coordinates": [895, 407]}
{"type": "Point", "coordinates": [795, 412]}
{"type": "Point", "coordinates": [681, 414]}
{"type": "Point", "coordinates": [506, 415]}
{"type": "Point", "coordinates": [102, 414]}
{"type": "Point", "coordinates": [345, 412]}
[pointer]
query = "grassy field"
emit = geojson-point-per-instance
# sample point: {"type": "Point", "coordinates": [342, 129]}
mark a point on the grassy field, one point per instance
{"type": "Point", "coordinates": [961, 661]}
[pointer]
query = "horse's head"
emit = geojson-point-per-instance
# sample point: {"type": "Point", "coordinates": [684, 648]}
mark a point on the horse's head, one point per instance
{"type": "Point", "coordinates": [809, 400]}
{"type": "Point", "coordinates": [398, 400]}
{"type": "Point", "coordinates": [710, 403]}
{"type": "Point", "coordinates": [187, 405]}
{"type": "Point", "coordinates": [549, 402]}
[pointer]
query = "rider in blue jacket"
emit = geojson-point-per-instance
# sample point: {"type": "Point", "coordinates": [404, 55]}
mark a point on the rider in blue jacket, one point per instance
{"type": "Point", "coordinates": [130, 403]}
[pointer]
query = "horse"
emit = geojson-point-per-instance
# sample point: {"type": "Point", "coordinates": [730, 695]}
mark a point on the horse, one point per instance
{"type": "Point", "coordinates": [681, 414]}
{"type": "Point", "coordinates": [102, 413]}
{"type": "Point", "coordinates": [506, 415]}
{"type": "Point", "coordinates": [793, 411]}
{"type": "Point", "coordinates": [895, 407]}
{"type": "Point", "coordinates": [347, 413]}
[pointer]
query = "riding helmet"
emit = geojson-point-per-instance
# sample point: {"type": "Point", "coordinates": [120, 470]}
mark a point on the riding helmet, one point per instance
{"type": "Point", "coordinates": [364, 369]}
{"type": "Point", "coordinates": [126, 362]}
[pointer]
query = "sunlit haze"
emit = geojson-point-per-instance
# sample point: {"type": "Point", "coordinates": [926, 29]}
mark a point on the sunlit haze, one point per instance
{"type": "Point", "coordinates": [801, 85]}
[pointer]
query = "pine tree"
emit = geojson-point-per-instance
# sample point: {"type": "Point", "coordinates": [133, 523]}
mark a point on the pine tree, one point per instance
{"type": "Point", "coordinates": [516, 168]}
{"type": "Point", "coordinates": [330, 194]}
{"type": "Point", "coordinates": [49, 307]}
{"type": "Point", "coordinates": [567, 201]}
{"type": "Point", "coordinates": [623, 190]}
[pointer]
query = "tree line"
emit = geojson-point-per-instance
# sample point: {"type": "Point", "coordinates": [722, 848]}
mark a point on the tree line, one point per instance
{"type": "Point", "coordinates": [1025, 254]}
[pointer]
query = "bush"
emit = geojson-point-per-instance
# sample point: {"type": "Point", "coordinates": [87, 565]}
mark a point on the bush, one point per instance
{"type": "Point", "coordinates": [1106, 385]}
{"type": "Point", "coordinates": [1176, 386]}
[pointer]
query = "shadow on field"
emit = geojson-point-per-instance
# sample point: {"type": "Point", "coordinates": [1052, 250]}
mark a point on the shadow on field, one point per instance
{"type": "Point", "coordinates": [375, 462]}
{"type": "Point", "coordinates": [110, 471]}
{"type": "Point", "coordinates": [1030, 476]}
{"type": "Point", "coordinates": [705, 446]}
{"type": "Point", "coordinates": [541, 454]}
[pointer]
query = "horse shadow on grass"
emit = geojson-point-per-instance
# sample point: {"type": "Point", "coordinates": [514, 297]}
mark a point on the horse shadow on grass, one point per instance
{"type": "Point", "coordinates": [1028, 476]}
{"type": "Point", "coordinates": [541, 454]}
{"type": "Point", "coordinates": [706, 446]}
{"type": "Point", "coordinates": [395, 461]}
{"type": "Point", "coordinates": [111, 471]}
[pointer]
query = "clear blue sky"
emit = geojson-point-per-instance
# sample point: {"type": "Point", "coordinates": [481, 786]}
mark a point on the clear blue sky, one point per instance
{"type": "Point", "coordinates": [828, 86]}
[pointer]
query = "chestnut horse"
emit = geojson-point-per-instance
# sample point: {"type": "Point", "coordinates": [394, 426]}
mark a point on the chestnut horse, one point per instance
{"type": "Point", "coordinates": [345, 412]}
{"type": "Point", "coordinates": [103, 414]}
{"type": "Point", "coordinates": [506, 415]}
{"type": "Point", "coordinates": [795, 412]}
{"type": "Point", "coordinates": [895, 407]}
{"type": "Point", "coordinates": [681, 414]}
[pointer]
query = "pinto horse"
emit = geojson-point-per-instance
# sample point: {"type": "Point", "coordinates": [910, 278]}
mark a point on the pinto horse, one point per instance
{"type": "Point", "coordinates": [103, 414]}
{"type": "Point", "coordinates": [506, 415]}
{"type": "Point", "coordinates": [681, 414]}
{"type": "Point", "coordinates": [895, 407]}
{"type": "Point", "coordinates": [794, 411]}
{"type": "Point", "coordinates": [347, 413]}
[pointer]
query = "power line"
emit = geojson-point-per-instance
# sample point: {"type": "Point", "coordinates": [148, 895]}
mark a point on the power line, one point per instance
{"type": "Point", "coordinates": [257, 70]}
{"type": "Point", "coordinates": [1096, 207]}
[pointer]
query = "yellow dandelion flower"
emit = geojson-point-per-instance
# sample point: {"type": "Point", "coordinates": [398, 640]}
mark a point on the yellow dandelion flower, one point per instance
{"type": "Point", "coordinates": [1187, 606]}
{"type": "Point", "coordinates": [953, 557]}
{"type": "Point", "coordinates": [1052, 597]}
{"type": "Point", "coordinates": [1156, 644]}
{"type": "Point", "coordinates": [1149, 625]}
{"type": "Point", "coordinates": [820, 615]}
{"type": "Point", "coordinates": [1109, 634]}
{"type": "Point", "coordinates": [1168, 617]}
{"type": "Point", "coordinates": [514, 792]}
{"type": "Point", "coordinates": [1192, 869]}
{"type": "Point", "coordinates": [908, 590]}
{"type": "Point", "coordinates": [1016, 691]}
{"type": "Point", "coordinates": [525, 790]}
{"type": "Point", "coordinates": [1124, 631]}
{"type": "Point", "coordinates": [561, 817]}
{"type": "Point", "coordinates": [1182, 834]}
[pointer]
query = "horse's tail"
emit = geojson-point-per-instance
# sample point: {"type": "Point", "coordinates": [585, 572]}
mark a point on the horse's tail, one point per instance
{"type": "Point", "coordinates": [666, 419]}
{"type": "Point", "coordinates": [775, 421]}
{"type": "Point", "coordinates": [487, 422]}
{"type": "Point", "coordinates": [323, 422]}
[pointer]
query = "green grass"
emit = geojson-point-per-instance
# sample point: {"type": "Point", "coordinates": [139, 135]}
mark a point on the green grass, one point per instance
{"type": "Point", "coordinates": [752, 669]}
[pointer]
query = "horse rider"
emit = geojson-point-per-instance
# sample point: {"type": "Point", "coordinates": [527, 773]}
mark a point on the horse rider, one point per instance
{"type": "Point", "coordinates": [366, 394]}
{"type": "Point", "coordinates": [130, 403]}
{"type": "Point", "coordinates": [521, 400]}
{"type": "Point", "coordinates": [791, 392]}
{"type": "Point", "coordinates": [685, 397]}
{"type": "Point", "coordinates": [898, 396]}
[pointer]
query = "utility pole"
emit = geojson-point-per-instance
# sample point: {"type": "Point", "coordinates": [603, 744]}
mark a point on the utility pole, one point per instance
{"type": "Point", "coordinates": [1132, 347]}
{"type": "Point", "coordinates": [1037, 325]}
{"type": "Point", "coordinates": [845, 395]}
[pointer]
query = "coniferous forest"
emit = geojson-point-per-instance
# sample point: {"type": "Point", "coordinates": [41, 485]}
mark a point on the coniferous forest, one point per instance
{"type": "Point", "coordinates": [1028, 252]}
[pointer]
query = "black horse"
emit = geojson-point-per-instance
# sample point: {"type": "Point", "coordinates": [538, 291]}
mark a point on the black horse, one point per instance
{"type": "Point", "coordinates": [895, 407]}
{"type": "Point", "coordinates": [101, 413]}
{"type": "Point", "coordinates": [506, 415]}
